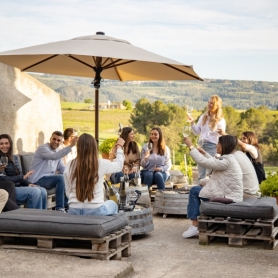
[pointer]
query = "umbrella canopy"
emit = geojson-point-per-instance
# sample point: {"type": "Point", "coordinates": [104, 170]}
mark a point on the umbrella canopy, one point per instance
{"type": "Point", "coordinates": [97, 56]}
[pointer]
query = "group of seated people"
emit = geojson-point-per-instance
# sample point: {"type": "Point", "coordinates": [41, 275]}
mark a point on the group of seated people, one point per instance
{"type": "Point", "coordinates": [77, 172]}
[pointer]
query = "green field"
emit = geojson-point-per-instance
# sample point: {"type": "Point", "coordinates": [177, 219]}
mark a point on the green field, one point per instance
{"type": "Point", "coordinates": [85, 119]}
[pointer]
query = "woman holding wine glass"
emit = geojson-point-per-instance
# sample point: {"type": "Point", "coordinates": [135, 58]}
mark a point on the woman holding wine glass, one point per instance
{"type": "Point", "coordinates": [26, 192]}
{"type": "Point", "coordinates": [155, 160]}
{"type": "Point", "coordinates": [132, 155]}
{"type": "Point", "coordinates": [207, 127]}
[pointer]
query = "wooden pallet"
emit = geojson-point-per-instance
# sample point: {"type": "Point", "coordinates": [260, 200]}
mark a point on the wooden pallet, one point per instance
{"type": "Point", "coordinates": [238, 231]}
{"type": "Point", "coordinates": [112, 247]}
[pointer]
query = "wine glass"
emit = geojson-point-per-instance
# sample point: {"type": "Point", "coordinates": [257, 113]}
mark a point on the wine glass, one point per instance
{"type": "Point", "coordinates": [186, 132]}
{"type": "Point", "coordinates": [189, 112]}
{"type": "Point", "coordinates": [3, 162]}
{"type": "Point", "coordinates": [150, 146]}
{"type": "Point", "coordinates": [118, 129]}
{"type": "Point", "coordinates": [200, 142]}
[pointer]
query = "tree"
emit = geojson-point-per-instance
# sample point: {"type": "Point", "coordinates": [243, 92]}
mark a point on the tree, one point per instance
{"type": "Point", "coordinates": [88, 100]}
{"type": "Point", "coordinates": [232, 118]}
{"type": "Point", "coordinates": [127, 104]}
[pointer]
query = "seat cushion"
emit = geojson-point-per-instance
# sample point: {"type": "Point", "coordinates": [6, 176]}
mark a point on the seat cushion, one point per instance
{"type": "Point", "coordinates": [55, 223]}
{"type": "Point", "coordinates": [264, 208]}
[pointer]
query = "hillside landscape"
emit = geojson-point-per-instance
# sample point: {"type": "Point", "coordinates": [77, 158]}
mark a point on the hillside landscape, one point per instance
{"type": "Point", "coordinates": [238, 94]}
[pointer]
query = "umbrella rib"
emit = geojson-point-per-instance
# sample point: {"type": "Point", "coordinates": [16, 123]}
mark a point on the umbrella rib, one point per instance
{"type": "Point", "coordinates": [120, 64]}
{"type": "Point", "coordinates": [170, 66]}
{"type": "Point", "coordinates": [81, 62]}
{"type": "Point", "coordinates": [42, 61]}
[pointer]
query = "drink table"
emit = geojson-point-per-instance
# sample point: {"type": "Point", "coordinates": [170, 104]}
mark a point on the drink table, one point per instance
{"type": "Point", "coordinates": [171, 201]}
{"type": "Point", "coordinates": [140, 219]}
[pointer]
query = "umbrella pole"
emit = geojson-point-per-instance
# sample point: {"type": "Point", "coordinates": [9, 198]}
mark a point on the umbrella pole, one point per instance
{"type": "Point", "coordinates": [96, 115]}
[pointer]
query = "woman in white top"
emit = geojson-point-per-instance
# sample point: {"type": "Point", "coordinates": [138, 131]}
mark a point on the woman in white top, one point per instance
{"type": "Point", "coordinates": [68, 135]}
{"type": "Point", "coordinates": [207, 127]}
{"type": "Point", "coordinates": [84, 178]}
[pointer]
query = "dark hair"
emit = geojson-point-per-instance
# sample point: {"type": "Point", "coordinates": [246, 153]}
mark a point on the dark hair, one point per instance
{"type": "Point", "coordinates": [228, 143]}
{"type": "Point", "coordinates": [68, 132]}
{"type": "Point", "coordinates": [161, 142]}
{"type": "Point", "coordinates": [132, 146]}
{"type": "Point", "coordinates": [85, 167]}
{"type": "Point", "coordinates": [10, 151]}
{"type": "Point", "coordinates": [252, 138]}
{"type": "Point", "coordinates": [58, 133]}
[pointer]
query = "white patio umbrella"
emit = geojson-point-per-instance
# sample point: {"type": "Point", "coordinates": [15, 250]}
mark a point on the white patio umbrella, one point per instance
{"type": "Point", "coordinates": [97, 56]}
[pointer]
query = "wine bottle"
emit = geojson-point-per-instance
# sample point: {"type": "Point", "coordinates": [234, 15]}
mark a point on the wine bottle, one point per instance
{"type": "Point", "coordinates": [126, 177]}
{"type": "Point", "coordinates": [106, 188]}
{"type": "Point", "coordinates": [123, 196]}
{"type": "Point", "coordinates": [113, 194]}
{"type": "Point", "coordinates": [137, 178]}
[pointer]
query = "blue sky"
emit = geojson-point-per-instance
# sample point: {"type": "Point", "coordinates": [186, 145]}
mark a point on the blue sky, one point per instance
{"type": "Point", "coordinates": [232, 39]}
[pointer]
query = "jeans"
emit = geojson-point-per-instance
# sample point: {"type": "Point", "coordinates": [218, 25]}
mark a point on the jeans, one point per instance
{"type": "Point", "coordinates": [57, 181]}
{"type": "Point", "coordinates": [117, 177]}
{"type": "Point", "coordinates": [157, 178]}
{"type": "Point", "coordinates": [210, 148]}
{"type": "Point", "coordinates": [109, 207]}
{"type": "Point", "coordinates": [194, 201]}
{"type": "Point", "coordinates": [35, 197]}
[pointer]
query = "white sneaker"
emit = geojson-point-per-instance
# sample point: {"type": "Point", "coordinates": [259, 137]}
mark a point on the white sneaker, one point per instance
{"type": "Point", "coordinates": [192, 231]}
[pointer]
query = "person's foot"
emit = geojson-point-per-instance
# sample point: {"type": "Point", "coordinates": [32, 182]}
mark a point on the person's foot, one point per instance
{"type": "Point", "coordinates": [61, 210]}
{"type": "Point", "coordinates": [192, 231]}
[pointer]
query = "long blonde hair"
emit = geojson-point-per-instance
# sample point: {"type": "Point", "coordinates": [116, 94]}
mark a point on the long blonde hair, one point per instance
{"type": "Point", "coordinates": [215, 114]}
{"type": "Point", "coordinates": [85, 167]}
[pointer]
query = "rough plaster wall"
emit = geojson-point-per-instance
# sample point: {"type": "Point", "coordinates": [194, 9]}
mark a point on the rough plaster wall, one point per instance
{"type": "Point", "coordinates": [29, 110]}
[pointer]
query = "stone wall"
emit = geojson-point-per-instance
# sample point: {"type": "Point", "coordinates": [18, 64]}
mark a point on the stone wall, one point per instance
{"type": "Point", "coordinates": [29, 110]}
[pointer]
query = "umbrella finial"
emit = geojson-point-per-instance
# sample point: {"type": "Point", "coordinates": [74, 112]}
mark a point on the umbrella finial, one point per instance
{"type": "Point", "coordinates": [100, 33]}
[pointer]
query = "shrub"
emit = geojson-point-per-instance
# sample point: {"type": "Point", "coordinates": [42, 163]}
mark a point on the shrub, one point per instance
{"type": "Point", "coordinates": [107, 145]}
{"type": "Point", "coordinates": [269, 187]}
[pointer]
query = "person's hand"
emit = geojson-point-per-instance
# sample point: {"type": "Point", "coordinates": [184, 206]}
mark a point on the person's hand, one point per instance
{"type": "Point", "coordinates": [157, 169]}
{"type": "Point", "coordinates": [187, 141]}
{"type": "Point", "coordinates": [33, 185]}
{"type": "Point", "coordinates": [221, 131]}
{"type": "Point", "coordinates": [2, 168]}
{"type": "Point", "coordinates": [27, 175]}
{"type": "Point", "coordinates": [120, 142]}
{"type": "Point", "coordinates": [74, 141]}
{"type": "Point", "coordinates": [190, 119]}
{"type": "Point", "coordinates": [202, 151]}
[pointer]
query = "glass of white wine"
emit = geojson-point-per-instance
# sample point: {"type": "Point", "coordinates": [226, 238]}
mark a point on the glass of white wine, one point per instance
{"type": "Point", "coordinates": [200, 142]}
{"type": "Point", "coordinates": [186, 130]}
{"type": "Point", "coordinates": [150, 147]}
{"type": "Point", "coordinates": [3, 162]}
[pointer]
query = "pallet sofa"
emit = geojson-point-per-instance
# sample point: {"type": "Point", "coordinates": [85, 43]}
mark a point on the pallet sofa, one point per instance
{"type": "Point", "coordinates": [98, 237]}
{"type": "Point", "coordinates": [25, 160]}
{"type": "Point", "coordinates": [242, 222]}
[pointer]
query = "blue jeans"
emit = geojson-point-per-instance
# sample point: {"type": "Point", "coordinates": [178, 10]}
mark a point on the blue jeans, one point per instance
{"type": "Point", "coordinates": [194, 201]}
{"type": "Point", "coordinates": [210, 148]}
{"type": "Point", "coordinates": [35, 197]}
{"type": "Point", "coordinates": [157, 178]}
{"type": "Point", "coordinates": [57, 181]}
{"type": "Point", "coordinates": [109, 207]}
{"type": "Point", "coordinates": [116, 178]}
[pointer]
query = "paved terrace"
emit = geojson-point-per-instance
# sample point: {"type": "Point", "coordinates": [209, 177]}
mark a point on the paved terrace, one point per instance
{"type": "Point", "coordinates": [161, 253]}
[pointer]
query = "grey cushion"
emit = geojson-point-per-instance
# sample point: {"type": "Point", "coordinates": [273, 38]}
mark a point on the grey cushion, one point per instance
{"type": "Point", "coordinates": [26, 160]}
{"type": "Point", "coordinates": [55, 223]}
{"type": "Point", "coordinates": [264, 208]}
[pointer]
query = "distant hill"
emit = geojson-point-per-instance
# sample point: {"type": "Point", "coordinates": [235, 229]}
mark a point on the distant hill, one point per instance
{"type": "Point", "coordinates": [239, 94]}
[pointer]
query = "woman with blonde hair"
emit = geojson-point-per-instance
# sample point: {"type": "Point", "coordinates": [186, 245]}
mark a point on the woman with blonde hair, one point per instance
{"type": "Point", "coordinates": [207, 127]}
{"type": "Point", "coordinates": [84, 178]}
{"type": "Point", "coordinates": [155, 160]}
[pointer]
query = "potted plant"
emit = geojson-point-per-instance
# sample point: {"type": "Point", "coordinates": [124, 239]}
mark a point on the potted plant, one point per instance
{"type": "Point", "coordinates": [269, 187]}
{"type": "Point", "coordinates": [106, 146]}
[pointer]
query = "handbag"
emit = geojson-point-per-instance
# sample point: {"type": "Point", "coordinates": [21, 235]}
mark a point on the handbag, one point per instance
{"type": "Point", "coordinates": [258, 166]}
